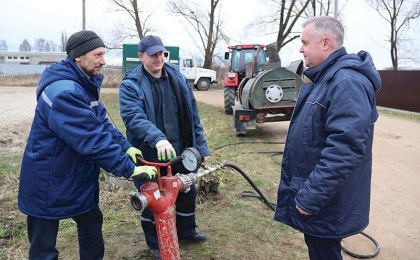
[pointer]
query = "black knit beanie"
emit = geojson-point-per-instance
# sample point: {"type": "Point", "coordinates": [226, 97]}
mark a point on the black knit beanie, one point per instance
{"type": "Point", "coordinates": [81, 43]}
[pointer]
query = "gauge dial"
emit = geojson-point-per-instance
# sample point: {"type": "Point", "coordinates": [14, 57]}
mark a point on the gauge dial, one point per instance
{"type": "Point", "coordinates": [191, 159]}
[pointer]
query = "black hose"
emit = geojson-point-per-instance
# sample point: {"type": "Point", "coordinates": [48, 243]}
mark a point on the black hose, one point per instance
{"type": "Point", "coordinates": [272, 205]}
{"type": "Point", "coordinates": [273, 153]}
{"type": "Point", "coordinates": [363, 256]}
{"type": "Point", "coordinates": [251, 194]}
{"type": "Point", "coordinates": [264, 199]}
{"type": "Point", "coordinates": [251, 142]}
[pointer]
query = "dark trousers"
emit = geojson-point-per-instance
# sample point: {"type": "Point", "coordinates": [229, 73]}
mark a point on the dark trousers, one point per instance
{"type": "Point", "coordinates": [185, 218]}
{"type": "Point", "coordinates": [42, 236]}
{"type": "Point", "coordinates": [323, 248]}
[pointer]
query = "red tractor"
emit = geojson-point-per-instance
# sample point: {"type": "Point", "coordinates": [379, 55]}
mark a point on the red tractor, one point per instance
{"type": "Point", "coordinates": [240, 56]}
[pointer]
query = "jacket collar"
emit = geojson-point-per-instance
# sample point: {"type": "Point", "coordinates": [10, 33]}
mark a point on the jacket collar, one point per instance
{"type": "Point", "coordinates": [317, 73]}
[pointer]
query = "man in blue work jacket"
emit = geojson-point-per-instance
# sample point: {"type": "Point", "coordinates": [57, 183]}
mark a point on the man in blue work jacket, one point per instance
{"type": "Point", "coordinates": [70, 140]}
{"type": "Point", "coordinates": [161, 117]}
{"type": "Point", "coordinates": [324, 190]}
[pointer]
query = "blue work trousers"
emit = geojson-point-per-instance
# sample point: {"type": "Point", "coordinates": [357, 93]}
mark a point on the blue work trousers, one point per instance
{"type": "Point", "coordinates": [323, 248]}
{"type": "Point", "coordinates": [42, 236]}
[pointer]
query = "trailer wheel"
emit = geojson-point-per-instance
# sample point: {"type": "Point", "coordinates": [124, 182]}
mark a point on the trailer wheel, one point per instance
{"type": "Point", "coordinates": [229, 94]}
{"type": "Point", "coordinates": [203, 84]}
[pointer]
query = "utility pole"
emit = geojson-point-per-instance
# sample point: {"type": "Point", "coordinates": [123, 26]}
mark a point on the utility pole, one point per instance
{"type": "Point", "coordinates": [84, 15]}
{"type": "Point", "coordinates": [335, 8]}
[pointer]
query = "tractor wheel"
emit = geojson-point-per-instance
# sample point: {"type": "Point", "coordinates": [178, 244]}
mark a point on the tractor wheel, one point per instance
{"type": "Point", "coordinates": [203, 84]}
{"type": "Point", "coordinates": [229, 99]}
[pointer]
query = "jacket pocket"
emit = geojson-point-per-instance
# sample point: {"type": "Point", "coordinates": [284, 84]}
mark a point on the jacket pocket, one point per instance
{"type": "Point", "coordinates": [63, 190]}
{"type": "Point", "coordinates": [296, 184]}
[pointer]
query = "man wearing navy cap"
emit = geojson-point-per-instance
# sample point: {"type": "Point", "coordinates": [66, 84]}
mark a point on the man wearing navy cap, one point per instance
{"type": "Point", "coordinates": [160, 114]}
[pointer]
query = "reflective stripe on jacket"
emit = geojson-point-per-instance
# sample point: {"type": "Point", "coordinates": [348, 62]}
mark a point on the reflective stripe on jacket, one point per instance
{"type": "Point", "coordinates": [70, 140]}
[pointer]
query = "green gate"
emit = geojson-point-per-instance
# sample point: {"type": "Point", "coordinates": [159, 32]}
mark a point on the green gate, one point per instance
{"type": "Point", "coordinates": [131, 58]}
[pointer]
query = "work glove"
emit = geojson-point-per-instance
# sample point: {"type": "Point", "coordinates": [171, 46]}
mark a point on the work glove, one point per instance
{"type": "Point", "coordinates": [133, 152]}
{"type": "Point", "coordinates": [144, 172]}
{"type": "Point", "coordinates": [165, 150]}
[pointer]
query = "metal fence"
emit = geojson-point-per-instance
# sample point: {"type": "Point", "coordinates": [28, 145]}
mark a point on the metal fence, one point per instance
{"type": "Point", "coordinates": [400, 90]}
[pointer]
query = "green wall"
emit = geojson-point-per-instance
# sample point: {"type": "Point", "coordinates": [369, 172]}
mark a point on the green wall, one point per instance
{"type": "Point", "coordinates": [131, 58]}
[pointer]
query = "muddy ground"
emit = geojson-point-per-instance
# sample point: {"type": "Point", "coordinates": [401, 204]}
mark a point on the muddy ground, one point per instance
{"type": "Point", "coordinates": [395, 211]}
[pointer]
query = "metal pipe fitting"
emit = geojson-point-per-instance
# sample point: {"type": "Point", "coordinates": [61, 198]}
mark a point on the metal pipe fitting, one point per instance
{"type": "Point", "coordinates": [138, 201]}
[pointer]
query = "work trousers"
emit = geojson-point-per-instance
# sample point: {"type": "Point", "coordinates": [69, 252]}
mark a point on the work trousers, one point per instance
{"type": "Point", "coordinates": [42, 236]}
{"type": "Point", "coordinates": [323, 248]}
{"type": "Point", "coordinates": [185, 218]}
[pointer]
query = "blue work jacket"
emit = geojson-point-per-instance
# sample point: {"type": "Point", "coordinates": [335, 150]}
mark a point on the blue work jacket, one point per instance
{"type": "Point", "coordinates": [327, 161]}
{"type": "Point", "coordinates": [138, 113]}
{"type": "Point", "coordinates": [70, 139]}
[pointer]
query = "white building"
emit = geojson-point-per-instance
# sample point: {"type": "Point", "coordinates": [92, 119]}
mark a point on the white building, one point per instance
{"type": "Point", "coordinates": [32, 58]}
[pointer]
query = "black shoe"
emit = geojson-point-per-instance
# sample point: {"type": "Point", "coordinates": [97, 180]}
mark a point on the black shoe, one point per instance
{"type": "Point", "coordinates": [197, 238]}
{"type": "Point", "coordinates": [155, 253]}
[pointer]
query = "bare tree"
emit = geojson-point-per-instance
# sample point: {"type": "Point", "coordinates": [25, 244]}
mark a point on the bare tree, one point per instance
{"type": "Point", "coordinates": [39, 44]}
{"type": "Point", "coordinates": [48, 47]}
{"type": "Point", "coordinates": [123, 31]}
{"type": "Point", "coordinates": [51, 46]}
{"type": "Point", "coordinates": [3, 45]}
{"type": "Point", "coordinates": [63, 40]}
{"type": "Point", "coordinates": [323, 8]}
{"type": "Point", "coordinates": [206, 24]}
{"type": "Point", "coordinates": [42, 45]}
{"type": "Point", "coordinates": [398, 14]}
{"type": "Point", "coordinates": [25, 46]}
{"type": "Point", "coordinates": [282, 16]}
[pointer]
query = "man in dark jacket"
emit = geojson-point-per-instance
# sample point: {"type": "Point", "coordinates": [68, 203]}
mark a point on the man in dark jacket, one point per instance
{"type": "Point", "coordinates": [324, 189]}
{"type": "Point", "coordinates": [160, 113]}
{"type": "Point", "coordinates": [69, 141]}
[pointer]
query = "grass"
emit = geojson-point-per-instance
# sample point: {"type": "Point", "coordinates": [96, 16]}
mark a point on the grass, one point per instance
{"type": "Point", "coordinates": [399, 113]}
{"type": "Point", "coordinates": [20, 81]}
{"type": "Point", "coordinates": [112, 79]}
{"type": "Point", "coordinates": [238, 228]}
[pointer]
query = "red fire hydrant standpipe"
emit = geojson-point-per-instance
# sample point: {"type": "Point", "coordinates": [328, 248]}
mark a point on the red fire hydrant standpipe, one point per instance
{"type": "Point", "coordinates": [160, 197]}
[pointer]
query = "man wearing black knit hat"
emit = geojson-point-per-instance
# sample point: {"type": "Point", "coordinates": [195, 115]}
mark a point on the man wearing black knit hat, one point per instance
{"type": "Point", "coordinates": [70, 140]}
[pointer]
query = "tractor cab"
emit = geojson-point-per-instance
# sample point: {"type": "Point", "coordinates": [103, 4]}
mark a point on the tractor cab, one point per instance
{"type": "Point", "coordinates": [240, 56]}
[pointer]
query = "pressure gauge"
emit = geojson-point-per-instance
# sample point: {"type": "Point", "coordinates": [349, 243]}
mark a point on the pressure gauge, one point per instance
{"type": "Point", "coordinates": [191, 159]}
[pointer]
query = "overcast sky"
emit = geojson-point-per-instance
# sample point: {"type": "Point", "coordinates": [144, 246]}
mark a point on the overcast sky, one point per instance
{"type": "Point", "coordinates": [30, 19]}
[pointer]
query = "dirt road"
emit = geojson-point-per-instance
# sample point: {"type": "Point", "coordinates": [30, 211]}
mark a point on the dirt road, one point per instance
{"type": "Point", "coordinates": [394, 220]}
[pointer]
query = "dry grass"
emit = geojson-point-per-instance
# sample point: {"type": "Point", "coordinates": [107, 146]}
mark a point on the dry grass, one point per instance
{"type": "Point", "coordinates": [20, 80]}
{"type": "Point", "coordinates": [112, 79]}
{"type": "Point", "coordinates": [238, 228]}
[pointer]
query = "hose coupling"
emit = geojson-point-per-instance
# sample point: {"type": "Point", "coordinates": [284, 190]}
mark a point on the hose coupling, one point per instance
{"type": "Point", "coordinates": [138, 201]}
{"type": "Point", "coordinates": [188, 180]}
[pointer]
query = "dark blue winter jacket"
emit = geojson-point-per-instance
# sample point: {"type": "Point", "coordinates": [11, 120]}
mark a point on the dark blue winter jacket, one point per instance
{"type": "Point", "coordinates": [69, 141]}
{"type": "Point", "coordinates": [327, 162]}
{"type": "Point", "coordinates": [138, 113]}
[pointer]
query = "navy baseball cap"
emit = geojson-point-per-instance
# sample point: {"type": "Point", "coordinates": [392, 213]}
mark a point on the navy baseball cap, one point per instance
{"type": "Point", "coordinates": [151, 44]}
